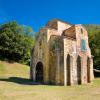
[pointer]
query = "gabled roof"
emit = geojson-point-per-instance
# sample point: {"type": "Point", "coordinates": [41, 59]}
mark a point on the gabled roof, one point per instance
{"type": "Point", "coordinates": [56, 19]}
{"type": "Point", "coordinates": [70, 32]}
{"type": "Point", "coordinates": [53, 23]}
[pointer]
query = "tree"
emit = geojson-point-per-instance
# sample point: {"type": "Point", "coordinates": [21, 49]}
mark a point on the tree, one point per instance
{"type": "Point", "coordinates": [94, 41]}
{"type": "Point", "coordinates": [15, 42]}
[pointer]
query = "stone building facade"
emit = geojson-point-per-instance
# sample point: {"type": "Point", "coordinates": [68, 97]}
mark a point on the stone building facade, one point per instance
{"type": "Point", "coordinates": [62, 55]}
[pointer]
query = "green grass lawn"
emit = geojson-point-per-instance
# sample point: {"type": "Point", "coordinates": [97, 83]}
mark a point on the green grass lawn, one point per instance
{"type": "Point", "coordinates": [15, 85]}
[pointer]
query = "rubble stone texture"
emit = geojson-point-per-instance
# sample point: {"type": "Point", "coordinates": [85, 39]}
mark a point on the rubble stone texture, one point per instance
{"type": "Point", "coordinates": [62, 55]}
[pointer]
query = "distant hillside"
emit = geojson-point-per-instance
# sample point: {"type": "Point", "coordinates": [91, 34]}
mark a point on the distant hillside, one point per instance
{"type": "Point", "coordinates": [92, 28]}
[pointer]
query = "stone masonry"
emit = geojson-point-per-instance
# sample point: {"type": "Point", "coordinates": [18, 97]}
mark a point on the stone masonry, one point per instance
{"type": "Point", "coordinates": [62, 55]}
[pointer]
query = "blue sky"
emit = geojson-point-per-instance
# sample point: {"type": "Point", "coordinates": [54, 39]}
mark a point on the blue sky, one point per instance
{"type": "Point", "coordinates": [36, 13]}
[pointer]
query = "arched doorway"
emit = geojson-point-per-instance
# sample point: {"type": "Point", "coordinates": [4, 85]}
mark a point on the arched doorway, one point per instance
{"type": "Point", "coordinates": [88, 69]}
{"type": "Point", "coordinates": [68, 70]}
{"type": "Point", "coordinates": [79, 70]}
{"type": "Point", "coordinates": [39, 72]}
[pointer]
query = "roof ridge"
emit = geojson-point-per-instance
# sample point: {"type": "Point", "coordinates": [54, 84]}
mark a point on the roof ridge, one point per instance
{"type": "Point", "coordinates": [57, 19]}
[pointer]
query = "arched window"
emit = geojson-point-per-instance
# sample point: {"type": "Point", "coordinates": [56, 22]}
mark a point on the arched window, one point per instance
{"type": "Point", "coordinates": [83, 45]}
{"type": "Point", "coordinates": [68, 70]}
{"type": "Point", "coordinates": [81, 30]}
{"type": "Point", "coordinates": [79, 70]}
{"type": "Point", "coordinates": [88, 69]}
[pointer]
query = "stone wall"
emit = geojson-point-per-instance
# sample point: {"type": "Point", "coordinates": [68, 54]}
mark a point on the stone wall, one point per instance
{"type": "Point", "coordinates": [56, 60]}
{"type": "Point", "coordinates": [82, 34]}
{"type": "Point", "coordinates": [70, 49]}
{"type": "Point", "coordinates": [40, 54]}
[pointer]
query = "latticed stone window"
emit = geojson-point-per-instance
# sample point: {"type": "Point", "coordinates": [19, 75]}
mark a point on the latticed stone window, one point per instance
{"type": "Point", "coordinates": [83, 45]}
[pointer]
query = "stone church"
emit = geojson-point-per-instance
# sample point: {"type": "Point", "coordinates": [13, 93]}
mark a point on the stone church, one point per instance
{"type": "Point", "coordinates": [62, 55]}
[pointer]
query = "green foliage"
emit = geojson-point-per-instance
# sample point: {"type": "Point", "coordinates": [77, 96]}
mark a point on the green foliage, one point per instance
{"type": "Point", "coordinates": [94, 41]}
{"type": "Point", "coordinates": [15, 42]}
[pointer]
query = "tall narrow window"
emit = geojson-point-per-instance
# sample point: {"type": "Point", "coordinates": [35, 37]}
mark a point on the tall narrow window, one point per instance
{"type": "Point", "coordinates": [81, 30]}
{"type": "Point", "coordinates": [68, 70]}
{"type": "Point", "coordinates": [83, 45]}
{"type": "Point", "coordinates": [88, 69]}
{"type": "Point", "coordinates": [79, 70]}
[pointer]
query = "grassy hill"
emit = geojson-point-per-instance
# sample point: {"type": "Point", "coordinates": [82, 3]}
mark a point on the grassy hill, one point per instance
{"type": "Point", "coordinates": [15, 85]}
{"type": "Point", "coordinates": [92, 27]}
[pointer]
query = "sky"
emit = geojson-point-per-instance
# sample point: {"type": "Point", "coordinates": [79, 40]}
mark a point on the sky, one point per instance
{"type": "Point", "coordinates": [36, 13]}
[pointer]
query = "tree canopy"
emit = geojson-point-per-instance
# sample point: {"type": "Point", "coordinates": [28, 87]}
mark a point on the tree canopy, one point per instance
{"type": "Point", "coordinates": [94, 41]}
{"type": "Point", "coordinates": [16, 42]}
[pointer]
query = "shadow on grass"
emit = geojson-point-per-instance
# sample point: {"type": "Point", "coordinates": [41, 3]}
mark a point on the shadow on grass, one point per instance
{"type": "Point", "coordinates": [22, 81]}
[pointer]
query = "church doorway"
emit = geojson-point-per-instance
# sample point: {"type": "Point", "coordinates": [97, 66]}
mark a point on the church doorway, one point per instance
{"type": "Point", "coordinates": [39, 72]}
